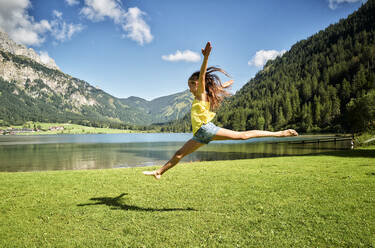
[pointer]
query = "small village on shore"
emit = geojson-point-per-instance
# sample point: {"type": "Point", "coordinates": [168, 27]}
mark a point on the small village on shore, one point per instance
{"type": "Point", "coordinates": [14, 131]}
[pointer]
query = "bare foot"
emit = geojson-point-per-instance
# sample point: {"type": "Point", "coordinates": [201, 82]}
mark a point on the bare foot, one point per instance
{"type": "Point", "coordinates": [288, 132]}
{"type": "Point", "coordinates": [152, 173]}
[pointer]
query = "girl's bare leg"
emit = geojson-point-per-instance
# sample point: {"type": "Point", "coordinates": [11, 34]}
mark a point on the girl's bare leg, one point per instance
{"type": "Point", "coordinates": [189, 147]}
{"type": "Point", "coordinates": [226, 134]}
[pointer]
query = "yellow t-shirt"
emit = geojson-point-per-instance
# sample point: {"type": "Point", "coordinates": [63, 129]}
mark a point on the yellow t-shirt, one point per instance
{"type": "Point", "coordinates": [200, 114]}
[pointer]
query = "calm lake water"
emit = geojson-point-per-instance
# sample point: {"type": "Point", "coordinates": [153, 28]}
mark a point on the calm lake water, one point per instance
{"type": "Point", "coordinates": [98, 151]}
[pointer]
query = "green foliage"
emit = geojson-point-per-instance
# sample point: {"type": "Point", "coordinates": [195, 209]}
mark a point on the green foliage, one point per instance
{"type": "Point", "coordinates": [361, 112]}
{"type": "Point", "coordinates": [365, 140]}
{"type": "Point", "coordinates": [310, 86]}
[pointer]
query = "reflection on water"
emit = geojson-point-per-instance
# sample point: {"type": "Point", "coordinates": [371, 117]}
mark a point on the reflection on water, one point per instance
{"type": "Point", "coordinates": [63, 152]}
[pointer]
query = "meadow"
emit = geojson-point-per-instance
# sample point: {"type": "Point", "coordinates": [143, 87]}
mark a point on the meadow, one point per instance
{"type": "Point", "coordinates": [68, 128]}
{"type": "Point", "coordinates": [325, 200]}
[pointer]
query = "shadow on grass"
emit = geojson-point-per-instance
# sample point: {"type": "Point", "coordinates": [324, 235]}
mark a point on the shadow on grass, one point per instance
{"type": "Point", "coordinates": [115, 203]}
{"type": "Point", "coordinates": [351, 153]}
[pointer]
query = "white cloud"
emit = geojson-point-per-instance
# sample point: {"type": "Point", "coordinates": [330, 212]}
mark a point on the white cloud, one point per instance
{"type": "Point", "coordinates": [72, 2]}
{"type": "Point", "coordinates": [57, 14]}
{"type": "Point", "coordinates": [27, 37]}
{"type": "Point", "coordinates": [44, 57]}
{"type": "Point", "coordinates": [187, 55]}
{"type": "Point", "coordinates": [22, 28]}
{"type": "Point", "coordinates": [332, 4]}
{"type": "Point", "coordinates": [97, 10]}
{"type": "Point", "coordinates": [61, 30]}
{"type": "Point", "coordinates": [261, 57]}
{"type": "Point", "coordinates": [42, 26]}
{"type": "Point", "coordinates": [131, 21]}
{"type": "Point", "coordinates": [137, 28]}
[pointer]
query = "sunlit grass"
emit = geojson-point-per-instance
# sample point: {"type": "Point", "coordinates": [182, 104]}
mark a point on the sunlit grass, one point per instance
{"type": "Point", "coordinates": [304, 201]}
{"type": "Point", "coordinates": [68, 129]}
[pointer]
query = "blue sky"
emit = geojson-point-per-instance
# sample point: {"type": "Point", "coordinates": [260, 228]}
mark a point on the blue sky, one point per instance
{"type": "Point", "coordinates": [149, 48]}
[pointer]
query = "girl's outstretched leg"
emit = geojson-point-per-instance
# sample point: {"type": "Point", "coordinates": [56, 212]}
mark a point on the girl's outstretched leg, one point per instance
{"type": "Point", "coordinates": [189, 147]}
{"type": "Point", "coordinates": [226, 134]}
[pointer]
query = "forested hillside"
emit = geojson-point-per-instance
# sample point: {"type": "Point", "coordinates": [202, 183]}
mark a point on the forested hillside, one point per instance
{"type": "Point", "coordinates": [30, 91]}
{"type": "Point", "coordinates": [323, 83]}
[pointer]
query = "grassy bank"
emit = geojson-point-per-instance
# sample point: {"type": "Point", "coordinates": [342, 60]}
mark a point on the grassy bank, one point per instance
{"type": "Point", "coordinates": [68, 128]}
{"type": "Point", "coordinates": [365, 139]}
{"type": "Point", "coordinates": [307, 201]}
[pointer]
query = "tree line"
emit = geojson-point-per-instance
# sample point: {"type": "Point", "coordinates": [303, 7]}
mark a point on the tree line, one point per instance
{"type": "Point", "coordinates": [323, 83]}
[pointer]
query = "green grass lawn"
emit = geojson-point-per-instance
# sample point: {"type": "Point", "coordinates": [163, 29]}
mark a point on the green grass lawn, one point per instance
{"type": "Point", "coordinates": [303, 201]}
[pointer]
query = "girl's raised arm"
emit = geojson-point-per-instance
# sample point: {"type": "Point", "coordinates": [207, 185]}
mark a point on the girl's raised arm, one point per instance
{"type": "Point", "coordinates": [202, 75]}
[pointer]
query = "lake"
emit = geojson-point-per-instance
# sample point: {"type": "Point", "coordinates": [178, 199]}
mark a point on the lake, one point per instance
{"type": "Point", "coordinates": [99, 151]}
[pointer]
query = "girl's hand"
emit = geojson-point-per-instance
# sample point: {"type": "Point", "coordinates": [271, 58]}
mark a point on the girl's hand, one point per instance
{"type": "Point", "coordinates": [206, 51]}
{"type": "Point", "coordinates": [228, 83]}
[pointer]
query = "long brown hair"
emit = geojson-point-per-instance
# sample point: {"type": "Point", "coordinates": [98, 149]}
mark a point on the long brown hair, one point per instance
{"type": "Point", "coordinates": [214, 88]}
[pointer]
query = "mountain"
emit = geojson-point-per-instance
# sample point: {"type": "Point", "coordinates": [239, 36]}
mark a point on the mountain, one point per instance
{"type": "Point", "coordinates": [33, 91]}
{"type": "Point", "coordinates": [8, 45]}
{"type": "Point", "coordinates": [323, 83]}
{"type": "Point", "coordinates": [163, 109]}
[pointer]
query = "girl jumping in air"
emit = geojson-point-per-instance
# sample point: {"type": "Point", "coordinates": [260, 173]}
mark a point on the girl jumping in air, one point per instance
{"type": "Point", "coordinates": [209, 92]}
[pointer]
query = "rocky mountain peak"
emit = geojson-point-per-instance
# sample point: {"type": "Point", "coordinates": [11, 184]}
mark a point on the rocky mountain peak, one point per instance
{"type": "Point", "coordinates": [8, 45]}
{"type": "Point", "coordinates": [32, 89]}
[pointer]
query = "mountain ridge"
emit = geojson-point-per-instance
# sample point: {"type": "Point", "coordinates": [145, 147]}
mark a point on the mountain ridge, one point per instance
{"type": "Point", "coordinates": [164, 108]}
{"type": "Point", "coordinates": [33, 91]}
{"type": "Point", "coordinates": [8, 45]}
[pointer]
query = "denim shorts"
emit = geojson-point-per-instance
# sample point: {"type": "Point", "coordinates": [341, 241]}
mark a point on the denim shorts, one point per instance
{"type": "Point", "coordinates": [206, 133]}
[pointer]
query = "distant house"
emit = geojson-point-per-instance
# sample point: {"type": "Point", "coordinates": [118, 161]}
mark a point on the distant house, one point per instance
{"type": "Point", "coordinates": [60, 128]}
{"type": "Point", "coordinates": [19, 130]}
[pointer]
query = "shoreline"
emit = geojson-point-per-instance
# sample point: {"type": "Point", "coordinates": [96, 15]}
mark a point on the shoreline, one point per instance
{"type": "Point", "coordinates": [366, 148]}
{"type": "Point", "coordinates": [41, 128]}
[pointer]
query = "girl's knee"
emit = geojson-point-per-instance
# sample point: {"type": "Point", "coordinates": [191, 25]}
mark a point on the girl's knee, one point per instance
{"type": "Point", "coordinates": [242, 136]}
{"type": "Point", "coordinates": [179, 154]}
